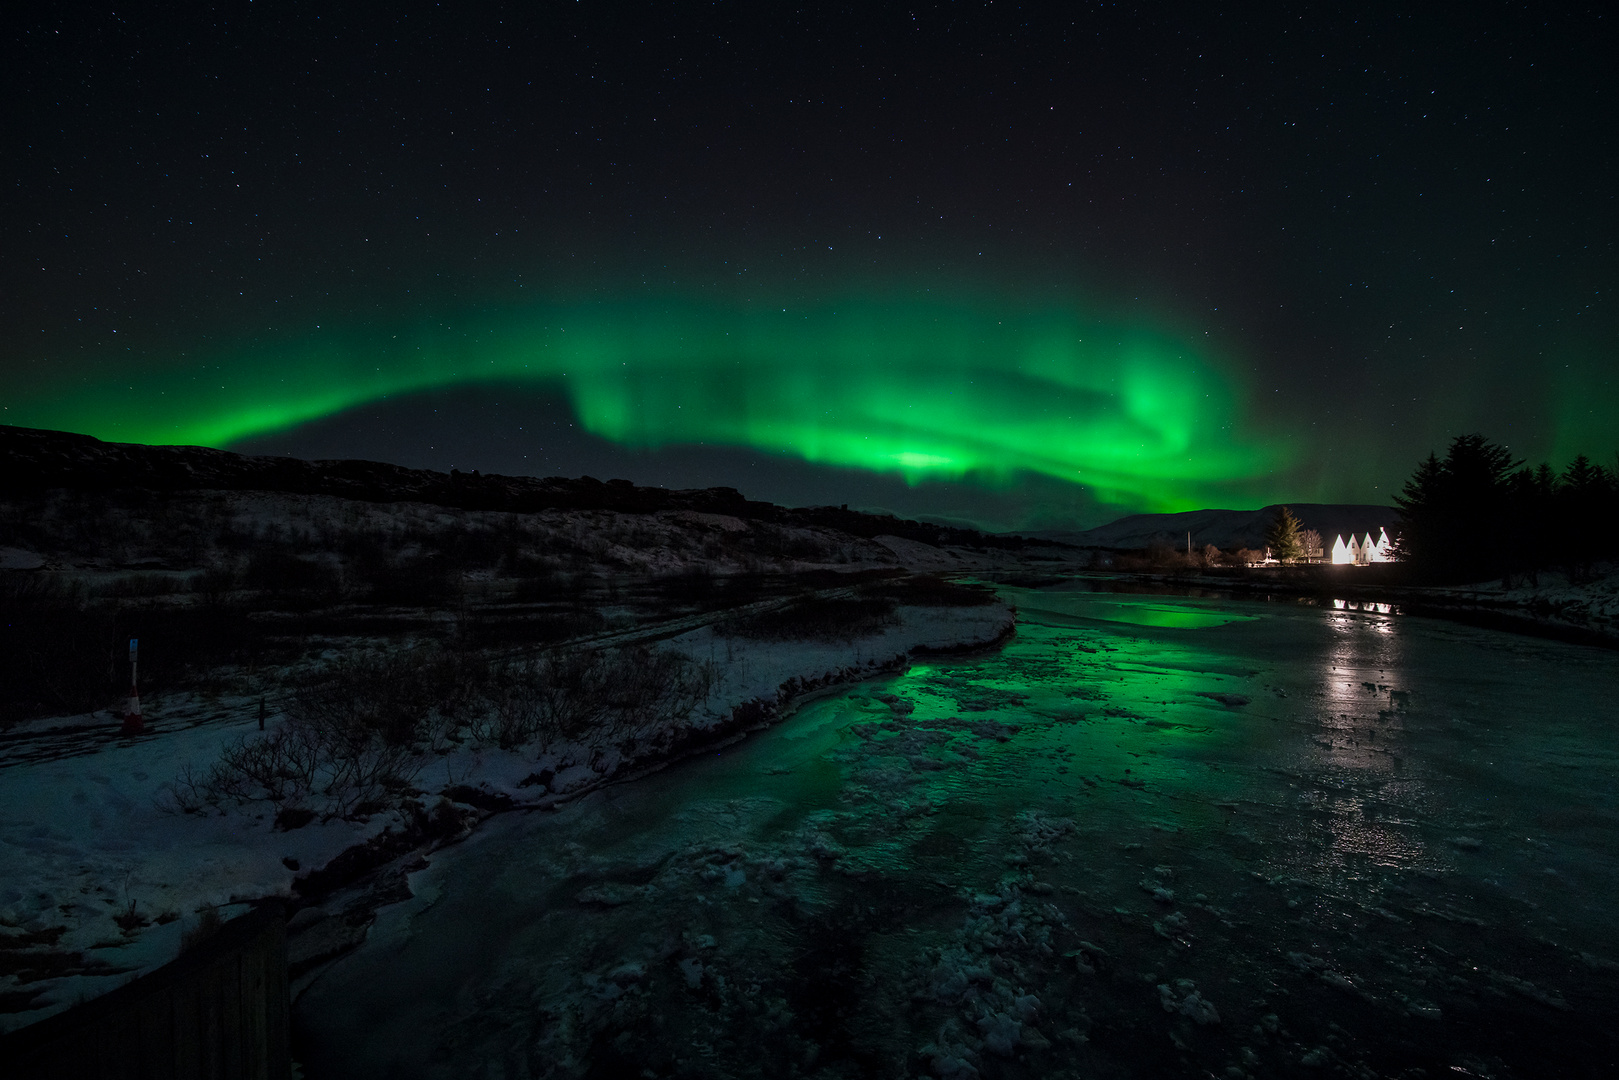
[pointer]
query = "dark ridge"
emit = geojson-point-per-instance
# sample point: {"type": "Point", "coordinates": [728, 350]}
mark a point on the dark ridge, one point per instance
{"type": "Point", "coordinates": [38, 460]}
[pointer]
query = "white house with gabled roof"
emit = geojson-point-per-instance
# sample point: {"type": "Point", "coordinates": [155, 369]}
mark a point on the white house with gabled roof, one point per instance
{"type": "Point", "coordinates": [1362, 552]}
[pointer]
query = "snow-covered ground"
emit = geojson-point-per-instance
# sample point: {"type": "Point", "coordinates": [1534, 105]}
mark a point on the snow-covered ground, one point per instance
{"type": "Point", "coordinates": [100, 875]}
{"type": "Point", "coordinates": [1589, 602]}
{"type": "Point", "coordinates": [92, 867]}
{"type": "Point", "coordinates": [1151, 836]}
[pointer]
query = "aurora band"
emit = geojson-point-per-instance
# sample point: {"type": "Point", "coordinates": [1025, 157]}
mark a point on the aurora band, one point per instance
{"type": "Point", "coordinates": [959, 388]}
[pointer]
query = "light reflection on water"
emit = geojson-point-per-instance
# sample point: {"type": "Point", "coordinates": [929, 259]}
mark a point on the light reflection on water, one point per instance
{"type": "Point", "coordinates": [1354, 726]}
{"type": "Point", "coordinates": [1221, 787]}
{"type": "Point", "coordinates": [1167, 616]}
{"type": "Point", "coordinates": [1363, 605]}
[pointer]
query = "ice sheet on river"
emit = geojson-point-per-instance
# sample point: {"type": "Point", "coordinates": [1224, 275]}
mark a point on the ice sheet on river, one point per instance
{"type": "Point", "coordinates": [1268, 839]}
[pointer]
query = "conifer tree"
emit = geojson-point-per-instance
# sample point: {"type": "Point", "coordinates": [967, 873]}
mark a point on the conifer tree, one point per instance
{"type": "Point", "coordinates": [1477, 513]}
{"type": "Point", "coordinates": [1283, 536]}
{"type": "Point", "coordinates": [1584, 514]}
{"type": "Point", "coordinates": [1451, 510]}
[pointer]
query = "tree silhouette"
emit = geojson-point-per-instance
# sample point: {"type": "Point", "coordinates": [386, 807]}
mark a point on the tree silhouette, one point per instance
{"type": "Point", "coordinates": [1452, 510]}
{"type": "Point", "coordinates": [1584, 514]}
{"type": "Point", "coordinates": [1530, 533]}
{"type": "Point", "coordinates": [1478, 513]}
{"type": "Point", "coordinates": [1282, 537]}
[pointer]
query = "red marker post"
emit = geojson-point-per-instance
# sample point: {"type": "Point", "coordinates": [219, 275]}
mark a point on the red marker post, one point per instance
{"type": "Point", "coordinates": [134, 724]}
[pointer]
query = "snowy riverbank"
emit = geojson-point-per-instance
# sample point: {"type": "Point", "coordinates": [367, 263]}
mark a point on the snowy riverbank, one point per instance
{"type": "Point", "coordinates": [100, 878]}
{"type": "Point", "coordinates": [1587, 607]}
{"type": "Point", "coordinates": [1151, 836]}
{"type": "Point", "coordinates": [1583, 609]}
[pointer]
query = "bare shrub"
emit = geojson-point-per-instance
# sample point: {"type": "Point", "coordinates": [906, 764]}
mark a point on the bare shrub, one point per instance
{"type": "Point", "coordinates": [368, 725]}
{"type": "Point", "coordinates": [514, 715]}
{"type": "Point", "coordinates": [1161, 557]}
{"type": "Point", "coordinates": [355, 735]}
{"type": "Point", "coordinates": [614, 695]}
{"type": "Point", "coordinates": [130, 920]}
{"type": "Point", "coordinates": [607, 696]}
{"type": "Point", "coordinates": [191, 792]}
{"type": "Point", "coordinates": [282, 766]}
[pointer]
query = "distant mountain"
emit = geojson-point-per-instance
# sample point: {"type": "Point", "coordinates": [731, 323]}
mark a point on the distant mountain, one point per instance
{"type": "Point", "coordinates": [1229, 528]}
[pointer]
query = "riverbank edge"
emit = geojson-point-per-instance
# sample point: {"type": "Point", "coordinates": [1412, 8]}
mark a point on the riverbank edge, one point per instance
{"type": "Point", "coordinates": [1536, 615]}
{"type": "Point", "coordinates": [372, 874]}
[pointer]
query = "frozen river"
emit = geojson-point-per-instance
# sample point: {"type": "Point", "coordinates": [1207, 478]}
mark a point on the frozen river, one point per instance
{"type": "Point", "coordinates": [1151, 836]}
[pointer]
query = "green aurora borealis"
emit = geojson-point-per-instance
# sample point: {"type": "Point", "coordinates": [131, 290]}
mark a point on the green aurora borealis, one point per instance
{"type": "Point", "coordinates": [1020, 267]}
{"type": "Point", "coordinates": [958, 388]}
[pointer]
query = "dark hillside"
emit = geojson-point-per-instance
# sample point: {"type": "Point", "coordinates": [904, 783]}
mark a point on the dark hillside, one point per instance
{"type": "Point", "coordinates": [37, 461]}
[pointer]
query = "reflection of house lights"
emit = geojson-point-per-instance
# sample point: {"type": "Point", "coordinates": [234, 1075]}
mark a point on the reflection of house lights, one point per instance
{"type": "Point", "coordinates": [1368, 606]}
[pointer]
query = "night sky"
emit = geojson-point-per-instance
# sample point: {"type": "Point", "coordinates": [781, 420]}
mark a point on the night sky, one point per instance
{"type": "Point", "coordinates": [1012, 265]}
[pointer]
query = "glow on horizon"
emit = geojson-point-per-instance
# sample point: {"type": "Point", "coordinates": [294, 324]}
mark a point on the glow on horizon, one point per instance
{"type": "Point", "coordinates": [963, 389]}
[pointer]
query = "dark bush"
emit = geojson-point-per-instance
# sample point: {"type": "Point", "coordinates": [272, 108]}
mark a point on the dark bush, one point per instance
{"type": "Point", "coordinates": [777, 542]}
{"type": "Point", "coordinates": [140, 585]}
{"type": "Point", "coordinates": [215, 583]}
{"type": "Point", "coordinates": [694, 585]}
{"type": "Point", "coordinates": [815, 619]}
{"type": "Point", "coordinates": [289, 818]}
{"type": "Point", "coordinates": [469, 548]}
{"type": "Point", "coordinates": [613, 696]}
{"type": "Point", "coordinates": [56, 650]}
{"type": "Point", "coordinates": [929, 590]}
{"type": "Point", "coordinates": [61, 653]}
{"type": "Point", "coordinates": [419, 580]}
{"type": "Point", "coordinates": [281, 573]}
{"type": "Point", "coordinates": [355, 735]}
{"type": "Point", "coordinates": [537, 579]}
{"type": "Point", "coordinates": [535, 628]}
